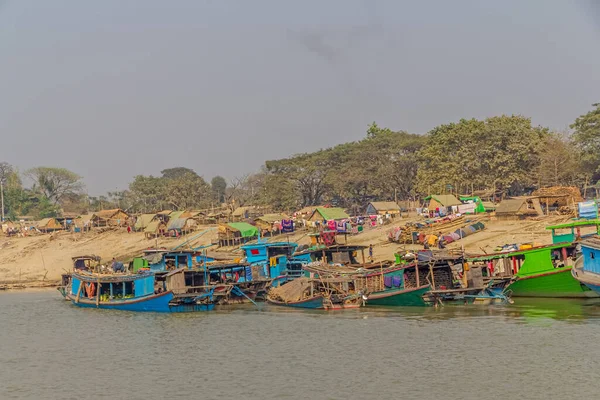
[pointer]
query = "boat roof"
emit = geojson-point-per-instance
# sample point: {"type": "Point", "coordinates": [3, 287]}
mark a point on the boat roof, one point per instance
{"type": "Point", "coordinates": [332, 249]}
{"type": "Point", "coordinates": [270, 244]}
{"type": "Point", "coordinates": [593, 243]}
{"type": "Point", "coordinates": [485, 257]}
{"type": "Point", "coordinates": [586, 222]}
{"type": "Point", "coordinates": [95, 277]}
{"type": "Point", "coordinates": [88, 257]}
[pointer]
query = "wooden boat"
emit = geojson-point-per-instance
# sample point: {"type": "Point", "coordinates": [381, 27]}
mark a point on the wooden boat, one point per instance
{"type": "Point", "coordinates": [130, 292]}
{"type": "Point", "coordinates": [318, 294]}
{"type": "Point", "coordinates": [383, 286]}
{"type": "Point", "coordinates": [80, 263]}
{"type": "Point", "coordinates": [587, 267]}
{"type": "Point", "coordinates": [346, 255]}
{"type": "Point", "coordinates": [451, 279]}
{"type": "Point", "coordinates": [543, 271]}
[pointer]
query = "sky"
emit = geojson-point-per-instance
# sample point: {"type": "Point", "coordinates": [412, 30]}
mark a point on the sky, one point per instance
{"type": "Point", "coordinates": [115, 88]}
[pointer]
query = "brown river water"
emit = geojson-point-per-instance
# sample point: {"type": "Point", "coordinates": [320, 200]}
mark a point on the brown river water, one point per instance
{"type": "Point", "coordinates": [533, 349]}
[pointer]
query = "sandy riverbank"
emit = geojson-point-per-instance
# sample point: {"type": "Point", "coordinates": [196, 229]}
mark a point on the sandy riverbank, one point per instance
{"type": "Point", "coordinates": [39, 261]}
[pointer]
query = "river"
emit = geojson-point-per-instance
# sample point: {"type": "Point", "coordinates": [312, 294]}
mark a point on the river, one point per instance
{"type": "Point", "coordinates": [534, 349]}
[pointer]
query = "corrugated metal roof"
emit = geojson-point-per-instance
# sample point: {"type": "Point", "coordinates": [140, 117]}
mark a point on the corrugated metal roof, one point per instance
{"type": "Point", "coordinates": [177, 223]}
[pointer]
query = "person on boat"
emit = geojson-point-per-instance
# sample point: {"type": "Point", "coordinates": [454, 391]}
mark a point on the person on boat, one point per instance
{"type": "Point", "coordinates": [371, 252]}
{"type": "Point", "coordinates": [117, 266]}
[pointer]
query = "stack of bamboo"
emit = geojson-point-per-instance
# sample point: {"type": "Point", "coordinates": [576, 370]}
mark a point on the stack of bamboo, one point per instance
{"type": "Point", "coordinates": [295, 290]}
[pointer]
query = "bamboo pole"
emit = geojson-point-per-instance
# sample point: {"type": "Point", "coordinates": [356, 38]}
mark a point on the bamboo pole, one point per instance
{"type": "Point", "coordinates": [417, 272]}
{"type": "Point", "coordinates": [79, 292]}
{"type": "Point", "coordinates": [98, 292]}
{"type": "Point", "coordinates": [431, 273]}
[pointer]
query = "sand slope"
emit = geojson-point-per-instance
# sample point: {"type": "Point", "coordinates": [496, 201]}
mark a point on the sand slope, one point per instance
{"type": "Point", "coordinates": [40, 260]}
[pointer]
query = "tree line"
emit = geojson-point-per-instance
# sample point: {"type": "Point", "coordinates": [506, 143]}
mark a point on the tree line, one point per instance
{"type": "Point", "coordinates": [504, 154]}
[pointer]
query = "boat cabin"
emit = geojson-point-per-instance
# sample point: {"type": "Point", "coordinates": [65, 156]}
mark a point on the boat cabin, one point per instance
{"type": "Point", "coordinates": [526, 262]}
{"type": "Point", "coordinates": [337, 254]}
{"type": "Point", "coordinates": [590, 250]}
{"type": "Point", "coordinates": [574, 231]}
{"type": "Point", "coordinates": [111, 287]}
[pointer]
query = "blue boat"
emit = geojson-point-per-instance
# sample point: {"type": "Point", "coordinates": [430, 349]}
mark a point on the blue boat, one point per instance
{"type": "Point", "coordinates": [275, 259]}
{"type": "Point", "coordinates": [131, 292]}
{"type": "Point", "coordinates": [587, 266]}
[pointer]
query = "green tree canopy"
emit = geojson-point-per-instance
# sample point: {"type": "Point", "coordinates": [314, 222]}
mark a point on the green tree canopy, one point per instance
{"type": "Point", "coordinates": [499, 152]}
{"type": "Point", "coordinates": [218, 185]}
{"type": "Point", "coordinates": [586, 137]}
{"type": "Point", "coordinates": [55, 183]}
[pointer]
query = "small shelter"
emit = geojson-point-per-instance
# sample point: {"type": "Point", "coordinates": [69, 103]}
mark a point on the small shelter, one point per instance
{"type": "Point", "coordinates": [236, 233]}
{"type": "Point", "coordinates": [436, 201]}
{"type": "Point", "coordinates": [519, 208]}
{"type": "Point", "coordinates": [383, 208]}
{"type": "Point", "coordinates": [49, 225]}
{"type": "Point", "coordinates": [268, 223]}
{"type": "Point", "coordinates": [328, 214]}
{"type": "Point", "coordinates": [143, 221]}
{"type": "Point", "coordinates": [181, 225]}
{"type": "Point", "coordinates": [557, 197]}
{"type": "Point", "coordinates": [155, 228]}
{"type": "Point", "coordinates": [114, 217]}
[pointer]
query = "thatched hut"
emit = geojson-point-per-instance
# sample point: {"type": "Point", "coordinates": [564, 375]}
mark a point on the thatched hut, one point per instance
{"type": "Point", "coordinates": [270, 223]}
{"type": "Point", "coordinates": [519, 208]}
{"type": "Point", "coordinates": [383, 208]}
{"type": "Point", "coordinates": [114, 217]}
{"type": "Point", "coordinates": [49, 225]}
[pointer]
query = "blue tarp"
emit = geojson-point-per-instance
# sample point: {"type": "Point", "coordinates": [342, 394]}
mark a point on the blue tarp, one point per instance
{"type": "Point", "coordinates": [588, 209]}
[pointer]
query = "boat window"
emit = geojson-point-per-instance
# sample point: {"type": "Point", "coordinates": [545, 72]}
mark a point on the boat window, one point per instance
{"type": "Point", "coordinates": [592, 255]}
{"type": "Point", "coordinates": [182, 261]}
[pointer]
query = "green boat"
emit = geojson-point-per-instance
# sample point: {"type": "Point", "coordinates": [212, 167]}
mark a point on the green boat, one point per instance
{"type": "Point", "coordinates": [382, 287]}
{"type": "Point", "coordinates": [543, 271]}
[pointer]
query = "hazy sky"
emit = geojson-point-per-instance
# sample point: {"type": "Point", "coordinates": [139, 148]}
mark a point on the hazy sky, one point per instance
{"type": "Point", "coordinates": [115, 88]}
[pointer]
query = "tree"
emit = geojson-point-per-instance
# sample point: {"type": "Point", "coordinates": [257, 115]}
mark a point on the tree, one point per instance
{"type": "Point", "coordinates": [559, 161]}
{"type": "Point", "coordinates": [55, 183]}
{"type": "Point", "coordinates": [586, 137]}
{"type": "Point", "coordinates": [187, 191]}
{"type": "Point", "coordinates": [496, 153]}
{"type": "Point", "coordinates": [147, 193]}
{"type": "Point", "coordinates": [177, 172]}
{"type": "Point", "coordinates": [219, 187]}
{"type": "Point", "coordinates": [5, 171]}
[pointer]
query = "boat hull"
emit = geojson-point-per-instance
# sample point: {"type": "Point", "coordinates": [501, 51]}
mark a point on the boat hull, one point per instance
{"type": "Point", "coordinates": [586, 278]}
{"type": "Point", "coordinates": [153, 303]}
{"type": "Point", "coordinates": [314, 303]}
{"type": "Point", "coordinates": [399, 297]}
{"type": "Point", "coordinates": [559, 283]}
